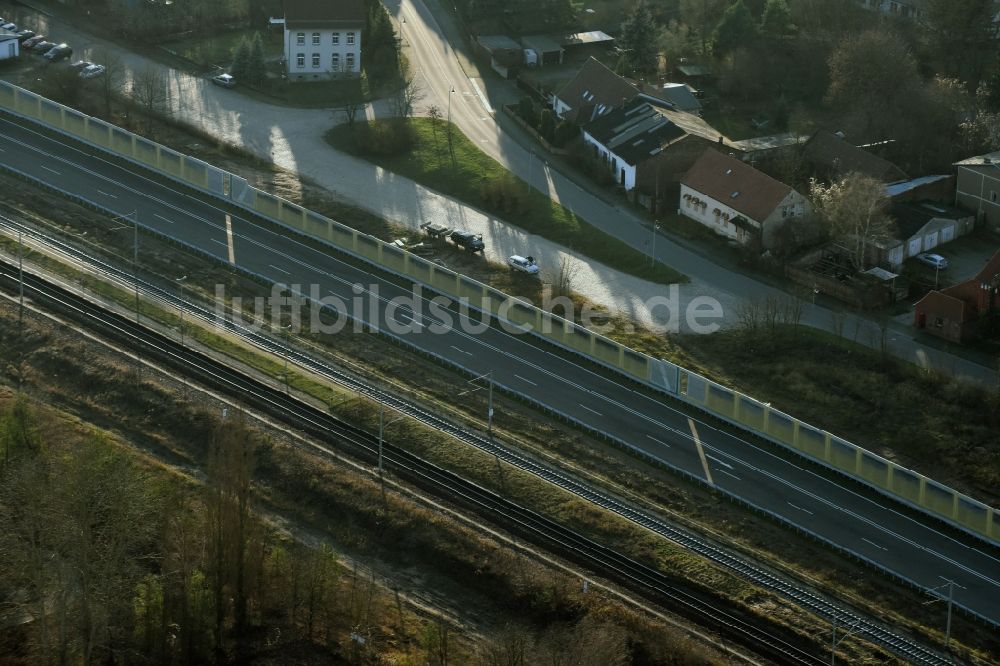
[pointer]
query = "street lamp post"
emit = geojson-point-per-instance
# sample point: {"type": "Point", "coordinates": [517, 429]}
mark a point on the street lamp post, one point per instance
{"type": "Point", "coordinates": [531, 161]}
{"type": "Point", "coordinates": [451, 92]}
{"type": "Point", "coordinates": [652, 253]}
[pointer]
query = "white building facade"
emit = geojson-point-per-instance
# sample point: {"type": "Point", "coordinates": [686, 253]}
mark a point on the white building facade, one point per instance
{"type": "Point", "coordinates": [323, 39]}
{"type": "Point", "coordinates": [9, 45]}
{"type": "Point", "coordinates": [624, 173]}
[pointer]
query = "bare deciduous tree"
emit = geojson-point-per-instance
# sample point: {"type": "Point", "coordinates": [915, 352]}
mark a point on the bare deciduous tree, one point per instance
{"type": "Point", "coordinates": [853, 211]}
{"type": "Point", "coordinates": [230, 474]}
{"type": "Point", "coordinates": [114, 73]}
{"type": "Point", "coordinates": [406, 96]}
{"type": "Point", "coordinates": [149, 91]}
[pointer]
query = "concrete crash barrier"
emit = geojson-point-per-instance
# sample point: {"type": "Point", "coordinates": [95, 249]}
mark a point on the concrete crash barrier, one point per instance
{"type": "Point", "coordinates": [759, 418]}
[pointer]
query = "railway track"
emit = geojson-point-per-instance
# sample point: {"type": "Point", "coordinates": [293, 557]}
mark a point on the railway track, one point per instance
{"type": "Point", "coordinates": [552, 533]}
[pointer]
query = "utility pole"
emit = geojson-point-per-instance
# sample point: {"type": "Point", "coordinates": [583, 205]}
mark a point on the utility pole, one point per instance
{"type": "Point", "coordinates": [950, 584]}
{"type": "Point", "coordinates": [284, 355]}
{"type": "Point", "coordinates": [489, 413]}
{"type": "Point", "coordinates": [834, 642]}
{"type": "Point", "coordinates": [135, 259]}
{"type": "Point", "coordinates": [382, 425]}
{"type": "Point", "coordinates": [133, 217]}
{"type": "Point", "coordinates": [20, 285]}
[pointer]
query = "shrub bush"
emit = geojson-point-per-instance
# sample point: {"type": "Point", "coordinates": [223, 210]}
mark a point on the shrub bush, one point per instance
{"type": "Point", "coordinates": [390, 137]}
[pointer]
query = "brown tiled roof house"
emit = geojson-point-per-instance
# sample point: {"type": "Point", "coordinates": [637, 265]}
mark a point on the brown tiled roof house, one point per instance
{"type": "Point", "coordinates": [736, 200]}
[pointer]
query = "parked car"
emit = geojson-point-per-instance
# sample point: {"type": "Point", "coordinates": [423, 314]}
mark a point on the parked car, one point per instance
{"type": "Point", "coordinates": [33, 42]}
{"type": "Point", "coordinates": [9, 26]}
{"type": "Point", "coordinates": [24, 35]}
{"type": "Point", "coordinates": [80, 65]}
{"type": "Point", "coordinates": [523, 264]}
{"type": "Point", "coordinates": [933, 260]}
{"type": "Point", "coordinates": [224, 80]}
{"type": "Point", "coordinates": [92, 72]}
{"type": "Point", "coordinates": [41, 48]}
{"type": "Point", "coordinates": [468, 240]}
{"type": "Point", "coordinates": [61, 52]}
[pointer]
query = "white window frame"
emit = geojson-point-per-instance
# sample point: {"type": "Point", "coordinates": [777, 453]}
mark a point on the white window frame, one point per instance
{"type": "Point", "coordinates": [350, 38]}
{"type": "Point", "coordinates": [335, 62]}
{"type": "Point", "coordinates": [350, 62]}
{"type": "Point", "coordinates": [335, 36]}
{"type": "Point", "coordinates": [315, 39]}
{"type": "Point", "coordinates": [300, 39]}
{"type": "Point", "coordinates": [300, 61]}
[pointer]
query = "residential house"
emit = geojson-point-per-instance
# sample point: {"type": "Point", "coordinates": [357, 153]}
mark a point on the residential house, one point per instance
{"type": "Point", "coordinates": [737, 201]}
{"type": "Point", "coordinates": [978, 188]}
{"type": "Point", "coordinates": [647, 147]}
{"type": "Point", "coordinates": [9, 45]}
{"type": "Point", "coordinates": [920, 227]}
{"type": "Point", "coordinates": [959, 312]}
{"type": "Point", "coordinates": [594, 91]}
{"type": "Point", "coordinates": [323, 38]}
{"type": "Point", "coordinates": [830, 156]}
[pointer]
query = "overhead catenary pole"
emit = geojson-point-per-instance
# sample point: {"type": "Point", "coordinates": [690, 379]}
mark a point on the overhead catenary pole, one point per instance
{"type": "Point", "coordinates": [135, 259]}
{"type": "Point", "coordinates": [950, 584]}
{"type": "Point", "coordinates": [834, 641]}
{"type": "Point", "coordinates": [20, 285]}
{"type": "Point", "coordinates": [489, 408]}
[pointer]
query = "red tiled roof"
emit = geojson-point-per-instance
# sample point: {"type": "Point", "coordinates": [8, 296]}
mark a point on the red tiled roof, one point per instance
{"type": "Point", "coordinates": [736, 184]}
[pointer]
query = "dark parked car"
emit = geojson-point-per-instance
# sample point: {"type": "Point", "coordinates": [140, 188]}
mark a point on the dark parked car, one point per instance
{"type": "Point", "coordinates": [41, 48]}
{"type": "Point", "coordinates": [468, 240]}
{"type": "Point", "coordinates": [33, 42]}
{"type": "Point", "coordinates": [61, 52]}
{"type": "Point", "coordinates": [25, 35]}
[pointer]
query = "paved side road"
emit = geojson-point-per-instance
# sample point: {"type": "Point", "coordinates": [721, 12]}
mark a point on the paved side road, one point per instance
{"type": "Point", "coordinates": [293, 139]}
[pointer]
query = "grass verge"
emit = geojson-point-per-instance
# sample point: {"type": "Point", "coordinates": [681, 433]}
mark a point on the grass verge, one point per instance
{"type": "Point", "coordinates": [459, 169]}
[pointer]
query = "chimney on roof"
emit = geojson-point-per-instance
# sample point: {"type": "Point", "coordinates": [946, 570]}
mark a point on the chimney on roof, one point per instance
{"type": "Point", "coordinates": [721, 140]}
{"type": "Point", "coordinates": [987, 160]}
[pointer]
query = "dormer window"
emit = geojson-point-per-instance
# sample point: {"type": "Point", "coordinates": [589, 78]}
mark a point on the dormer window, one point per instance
{"type": "Point", "coordinates": [734, 195]}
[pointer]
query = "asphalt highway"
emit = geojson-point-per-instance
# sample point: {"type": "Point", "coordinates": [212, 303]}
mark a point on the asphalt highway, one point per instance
{"type": "Point", "coordinates": [871, 528]}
